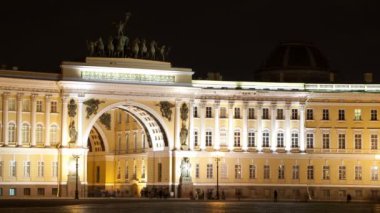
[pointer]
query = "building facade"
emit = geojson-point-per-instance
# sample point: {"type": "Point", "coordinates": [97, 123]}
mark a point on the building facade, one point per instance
{"type": "Point", "coordinates": [138, 126]}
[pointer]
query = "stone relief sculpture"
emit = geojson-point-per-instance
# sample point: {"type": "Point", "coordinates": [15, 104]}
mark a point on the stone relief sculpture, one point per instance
{"type": "Point", "coordinates": [183, 134]}
{"type": "Point", "coordinates": [72, 108]}
{"type": "Point", "coordinates": [92, 106]}
{"type": "Point", "coordinates": [185, 170]}
{"type": "Point", "coordinates": [165, 108]}
{"type": "Point", "coordinates": [73, 132]}
{"type": "Point", "coordinates": [184, 110]}
{"type": "Point", "coordinates": [105, 119]}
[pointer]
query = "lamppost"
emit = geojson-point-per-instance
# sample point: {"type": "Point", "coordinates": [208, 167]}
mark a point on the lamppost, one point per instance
{"type": "Point", "coordinates": [218, 156]}
{"type": "Point", "coordinates": [76, 157]}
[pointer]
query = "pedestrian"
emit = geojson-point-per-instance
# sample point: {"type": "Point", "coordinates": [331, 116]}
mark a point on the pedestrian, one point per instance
{"type": "Point", "coordinates": [275, 196]}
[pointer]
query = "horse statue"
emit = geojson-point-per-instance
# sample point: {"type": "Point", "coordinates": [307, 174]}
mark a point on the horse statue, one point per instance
{"type": "Point", "coordinates": [152, 50]}
{"type": "Point", "coordinates": [121, 26]}
{"type": "Point", "coordinates": [91, 47]}
{"type": "Point", "coordinates": [110, 46]}
{"type": "Point", "coordinates": [143, 49]}
{"type": "Point", "coordinates": [120, 46]}
{"type": "Point", "coordinates": [161, 52]}
{"type": "Point", "coordinates": [100, 46]}
{"type": "Point", "coordinates": [135, 47]}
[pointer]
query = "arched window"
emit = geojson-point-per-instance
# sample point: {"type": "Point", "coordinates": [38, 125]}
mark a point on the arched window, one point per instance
{"type": "Point", "coordinates": [11, 133]}
{"type": "Point", "coordinates": [53, 134]}
{"type": "Point", "coordinates": [25, 134]}
{"type": "Point", "coordinates": [39, 133]}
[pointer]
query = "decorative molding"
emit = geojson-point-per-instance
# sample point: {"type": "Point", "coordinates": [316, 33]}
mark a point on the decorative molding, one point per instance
{"type": "Point", "coordinates": [92, 106]}
{"type": "Point", "coordinates": [72, 108]}
{"type": "Point", "coordinates": [165, 108]}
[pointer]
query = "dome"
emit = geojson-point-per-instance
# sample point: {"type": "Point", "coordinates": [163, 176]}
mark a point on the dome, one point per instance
{"type": "Point", "coordinates": [295, 62]}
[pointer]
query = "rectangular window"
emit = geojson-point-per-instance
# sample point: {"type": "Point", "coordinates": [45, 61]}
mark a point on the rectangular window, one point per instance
{"type": "Point", "coordinates": [53, 107]}
{"type": "Point", "coordinates": [281, 172]}
{"type": "Point", "coordinates": [265, 113]}
{"type": "Point", "coordinates": [12, 192]}
{"type": "Point", "coordinates": [326, 141]}
{"type": "Point", "coordinates": [358, 141]}
{"type": "Point", "coordinates": [196, 138]}
{"type": "Point", "coordinates": [342, 172]}
{"type": "Point", "coordinates": [27, 169]}
{"type": "Point", "coordinates": [208, 112]}
{"type": "Point", "coordinates": [358, 172]}
{"type": "Point", "coordinates": [12, 168]}
{"type": "Point", "coordinates": [342, 141]}
{"type": "Point", "coordinates": [208, 138]}
{"type": "Point", "coordinates": [266, 172]}
{"type": "Point", "coordinates": [265, 139]}
{"type": "Point", "coordinates": [238, 171]}
{"type": "Point", "coordinates": [341, 115]}
{"type": "Point", "coordinates": [309, 140]}
{"type": "Point", "coordinates": [55, 169]}
{"type": "Point", "coordinates": [373, 115]}
{"type": "Point", "coordinates": [237, 138]}
{"type": "Point", "coordinates": [310, 172]}
{"type": "Point", "coordinates": [309, 114]}
{"type": "Point", "coordinates": [25, 105]}
{"type": "Point", "coordinates": [209, 171]}
{"type": "Point", "coordinates": [280, 114]}
{"type": "Point", "coordinates": [251, 113]}
{"type": "Point", "coordinates": [374, 173]}
{"type": "Point", "coordinates": [326, 173]}
{"type": "Point", "coordinates": [252, 172]}
{"type": "Point", "coordinates": [54, 191]}
{"type": "Point", "coordinates": [251, 139]}
{"type": "Point", "coordinates": [223, 112]}
{"type": "Point", "coordinates": [373, 141]}
{"type": "Point", "coordinates": [12, 104]}
{"type": "Point", "coordinates": [197, 171]}
{"type": "Point", "coordinates": [358, 115]}
{"type": "Point", "coordinates": [40, 191]}
{"type": "Point", "coordinates": [126, 171]}
{"type": "Point", "coordinates": [223, 171]}
{"type": "Point", "coordinates": [40, 169]}
{"type": "Point", "coordinates": [1, 168]}
{"type": "Point", "coordinates": [325, 114]}
{"type": "Point", "coordinates": [223, 137]}
{"type": "Point", "coordinates": [27, 192]}
{"type": "Point", "coordinates": [294, 140]}
{"type": "Point", "coordinates": [98, 174]}
{"type": "Point", "coordinates": [237, 113]}
{"type": "Point", "coordinates": [280, 139]}
{"type": "Point", "coordinates": [294, 114]}
{"type": "Point", "coordinates": [195, 113]}
{"type": "Point", "coordinates": [296, 172]}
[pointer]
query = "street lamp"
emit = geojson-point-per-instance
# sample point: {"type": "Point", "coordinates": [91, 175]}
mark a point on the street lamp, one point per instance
{"type": "Point", "coordinates": [76, 157]}
{"type": "Point", "coordinates": [218, 156]}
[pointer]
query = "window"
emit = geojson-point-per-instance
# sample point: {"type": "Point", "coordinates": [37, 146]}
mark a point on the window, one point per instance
{"type": "Point", "coordinates": [374, 173]}
{"type": "Point", "coordinates": [12, 105]}
{"type": "Point", "coordinates": [373, 141]}
{"type": "Point", "coordinates": [265, 113]}
{"type": "Point", "coordinates": [358, 115]}
{"type": "Point", "coordinates": [341, 115]}
{"type": "Point", "coordinates": [39, 133]}
{"type": "Point", "coordinates": [12, 168]}
{"type": "Point", "coordinates": [342, 172]}
{"type": "Point", "coordinates": [280, 139]}
{"type": "Point", "coordinates": [341, 141]}
{"type": "Point", "coordinates": [237, 113]}
{"type": "Point", "coordinates": [27, 169]}
{"type": "Point", "coordinates": [251, 113]}
{"type": "Point", "coordinates": [143, 171]}
{"type": "Point", "coordinates": [309, 114]}
{"type": "Point", "coordinates": [11, 133]}
{"type": "Point", "coordinates": [310, 172]}
{"type": "Point", "coordinates": [195, 113]}
{"type": "Point", "coordinates": [251, 139]}
{"type": "Point", "coordinates": [296, 172]}
{"type": "Point", "coordinates": [41, 166]}
{"type": "Point", "coordinates": [326, 173]}
{"type": "Point", "coordinates": [39, 106]}
{"type": "Point", "coordinates": [53, 135]}
{"type": "Point", "coordinates": [54, 170]}
{"type": "Point", "coordinates": [294, 114]}
{"type": "Point", "coordinates": [25, 105]}
{"type": "Point", "coordinates": [119, 117]}
{"type": "Point", "coordinates": [25, 134]}
{"type": "Point", "coordinates": [237, 138]}
{"type": "Point", "coordinates": [196, 138]}
{"type": "Point", "coordinates": [27, 192]}
{"type": "Point", "coordinates": [266, 172]}
{"type": "Point", "coordinates": [252, 172]}
{"type": "Point", "coordinates": [54, 191]}
{"type": "Point", "coordinates": [325, 114]}
{"type": "Point", "coordinates": [159, 171]}
{"type": "Point", "coordinates": [281, 172]}
{"type": "Point", "coordinates": [223, 112]}
{"type": "Point", "coordinates": [294, 140]}
{"type": "Point", "coordinates": [98, 174]}
{"type": "Point", "coordinates": [266, 138]}
{"type": "Point", "coordinates": [373, 115]}
{"type": "Point", "coordinates": [358, 141]}
{"type": "Point", "coordinates": [280, 114]}
{"type": "Point", "coordinates": [53, 107]}
{"type": "Point", "coordinates": [223, 170]}
{"type": "Point", "coordinates": [309, 140]}
{"type": "Point", "coordinates": [223, 137]}
{"type": "Point", "coordinates": [40, 191]}
{"type": "Point", "coordinates": [209, 171]}
{"type": "Point", "coordinates": [197, 171]}
{"type": "Point", "coordinates": [358, 172]}
{"type": "Point", "coordinates": [208, 112]}
{"type": "Point", "coordinates": [208, 138]}
{"type": "Point", "coordinates": [12, 192]}
{"type": "Point", "coordinates": [326, 141]}
{"type": "Point", "coordinates": [238, 171]}
{"type": "Point", "coordinates": [1, 168]}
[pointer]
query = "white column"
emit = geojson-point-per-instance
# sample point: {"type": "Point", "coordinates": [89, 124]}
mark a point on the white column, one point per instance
{"type": "Point", "coordinates": [245, 126]}
{"type": "Point", "coordinates": [64, 116]}
{"type": "Point", "coordinates": [230, 125]}
{"type": "Point", "coordinates": [216, 125]}
{"type": "Point", "coordinates": [203, 131]}
{"type": "Point", "coordinates": [5, 118]}
{"type": "Point", "coordinates": [287, 127]}
{"type": "Point", "coordinates": [273, 127]}
{"type": "Point", "coordinates": [302, 127]}
{"type": "Point", "coordinates": [79, 123]}
{"type": "Point", "coordinates": [177, 125]}
{"type": "Point", "coordinates": [259, 113]}
{"type": "Point", "coordinates": [191, 124]}
{"type": "Point", "coordinates": [47, 119]}
{"type": "Point", "coordinates": [33, 120]}
{"type": "Point", "coordinates": [19, 118]}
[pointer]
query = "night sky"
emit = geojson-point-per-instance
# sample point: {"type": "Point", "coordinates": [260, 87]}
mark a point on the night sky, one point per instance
{"type": "Point", "coordinates": [232, 38]}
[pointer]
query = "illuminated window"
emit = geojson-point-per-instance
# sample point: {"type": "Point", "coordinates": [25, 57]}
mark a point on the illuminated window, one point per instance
{"type": "Point", "coordinates": [294, 114]}
{"type": "Point", "coordinates": [341, 115]}
{"type": "Point", "coordinates": [25, 134]}
{"type": "Point", "coordinates": [39, 106]}
{"type": "Point", "coordinates": [296, 172]}
{"type": "Point", "coordinates": [358, 141]}
{"type": "Point", "coordinates": [237, 113]}
{"type": "Point", "coordinates": [251, 113]}
{"type": "Point", "coordinates": [309, 140]}
{"type": "Point", "coordinates": [54, 170]}
{"type": "Point", "coordinates": [294, 140]}
{"type": "Point", "coordinates": [325, 114]}
{"type": "Point", "coordinates": [341, 141]}
{"type": "Point", "coordinates": [27, 169]}
{"type": "Point", "coordinates": [266, 138]}
{"type": "Point", "coordinates": [281, 172]}
{"type": "Point", "coordinates": [53, 134]}
{"type": "Point", "coordinates": [53, 107]}
{"type": "Point", "coordinates": [326, 141]}
{"type": "Point", "coordinates": [251, 139]}
{"type": "Point", "coordinates": [373, 115]}
{"type": "Point", "coordinates": [373, 141]}
{"type": "Point", "coordinates": [12, 192]}
{"type": "Point", "coordinates": [11, 132]}
{"type": "Point", "coordinates": [209, 171]}
{"type": "Point", "coordinates": [12, 168]}
{"type": "Point", "coordinates": [238, 171]}
{"type": "Point", "coordinates": [223, 137]}
{"type": "Point", "coordinates": [326, 173]}
{"type": "Point", "coordinates": [342, 172]}
{"type": "Point", "coordinates": [1, 168]}
{"type": "Point", "coordinates": [208, 112]}
{"type": "Point", "coordinates": [374, 173]}
{"type": "Point", "coordinates": [309, 114]}
{"type": "Point", "coordinates": [358, 172]}
{"type": "Point", "coordinates": [237, 138]}
{"type": "Point", "coordinates": [41, 168]}
{"type": "Point", "coordinates": [280, 114]}
{"type": "Point", "coordinates": [223, 112]}
{"type": "Point", "coordinates": [280, 139]}
{"type": "Point", "coordinates": [39, 133]}
{"type": "Point", "coordinates": [358, 115]}
{"type": "Point", "coordinates": [252, 172]}
{"type": "Point", "coordinates": [208, 138]}
{"type": "Point", "coordinates": [310, 172]}
{"type": "Point", "coordinates": [266, 172]}
{"type": "Point", "coordinates": [265, 113]}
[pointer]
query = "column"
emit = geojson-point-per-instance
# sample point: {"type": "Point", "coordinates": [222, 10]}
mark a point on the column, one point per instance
{"type": "Point", "coordinates": [33, 99]}
{"type": "Point", "coordinates": [259, 113]}
{"type": "Point", "coordinates": [302, 127]}
{"type": "Point", "coordinates": [245, 126]}
{"type": "Point", "coordinates": [203, 131]}
{"type": "Point", "coordinates": [287, 127]}
{"type": "Point", "coordinates": [5, 118]}
{"type": "Point", "coordinates": [19, 118]}
{"type": "Point", "coordinates": [273, 127]}
{"type": "Point", "coordinates": [64, 128]}
{"type": "Point", "coordinates": [216, 125]}
{"type": "Point", "coordinates": [191, 124]}
{"type": "Point", "coordinates": [80, 119]}
{"type": "Point", "coordinates": [47, 119]}
{"type": "Point", "coordinates": [177, 125]}
{"type": "Point", "coordinates": [230, 125]}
